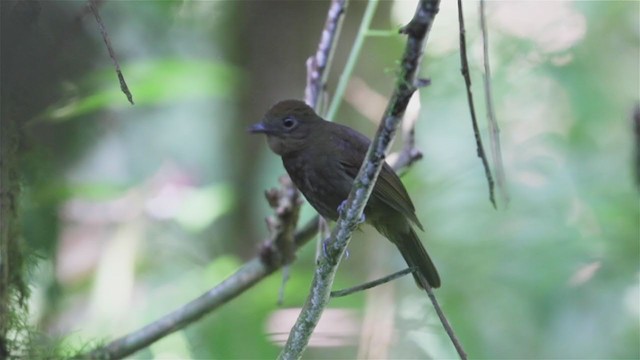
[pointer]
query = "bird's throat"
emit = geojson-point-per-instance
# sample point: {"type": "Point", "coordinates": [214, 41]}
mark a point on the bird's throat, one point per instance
{"type": "Point", "coordinates": [284, 146]}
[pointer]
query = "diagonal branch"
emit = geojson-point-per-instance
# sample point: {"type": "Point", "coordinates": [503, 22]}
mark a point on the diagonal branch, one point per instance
{"type": "Point", "coordinates": [318, 64]}
{"type": "Point", "coordinates": [417, 31]}
{"type": "Point", "coordinates": [112, 54]}
{"type": "Point", "coordinates": [286, 204]}
{"type": "Point", "coordinates": [246, 277]}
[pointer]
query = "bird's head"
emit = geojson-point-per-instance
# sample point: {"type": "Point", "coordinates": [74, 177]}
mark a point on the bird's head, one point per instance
{"type": "Point", "coordinates": [288, 126]}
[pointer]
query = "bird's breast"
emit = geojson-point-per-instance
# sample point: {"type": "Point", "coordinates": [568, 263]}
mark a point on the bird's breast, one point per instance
{"type": "Point", "coordinates": [320, 179]}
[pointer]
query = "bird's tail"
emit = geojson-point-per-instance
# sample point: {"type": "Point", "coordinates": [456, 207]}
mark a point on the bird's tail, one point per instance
{"type": "Point", "coordinates": [415, 255]}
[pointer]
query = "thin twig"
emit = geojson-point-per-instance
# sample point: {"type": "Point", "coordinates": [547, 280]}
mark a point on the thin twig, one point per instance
{"type": "Point", "coordinates": [443, 319]}
{"type": "Point", "coordinates": [494, 129]}
{"type": "Point", "coordinates": [112, 54]}
{"type": "Point", "coordinates": [467, 79]}
{"type": "Point", "coordinates": [318, 65]}
{"type": "Point", "coordinates": [243, 279]}
{"type": "Point", "coordinates": [410, 153]}
{"type": "Point", "coordinates": [417, 31]}
{"type": "Point", "coordinates": [371, 284]}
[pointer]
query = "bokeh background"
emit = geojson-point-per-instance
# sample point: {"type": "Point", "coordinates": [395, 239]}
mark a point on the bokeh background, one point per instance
{"type": "Point", "coordinates": [128, 212]}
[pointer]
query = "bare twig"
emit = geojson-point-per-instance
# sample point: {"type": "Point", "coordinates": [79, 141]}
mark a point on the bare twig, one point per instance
{"type": "Point", "coordinates": [247, 276]}
{"type": "Point", "coordinates": [417, 31]}
{"type": "Point", "coordinates": [494, 129]}
{"type": "Point", "coordinates": [371, 284]}
{"type": "Point", "coordinates": [443, 319]}
{"type": "Point", "coordinates": [467, 79]}
{"type": "Point", "coordinates": [409, 153]}
{"type": "Point", "coordinates": [286, 204]}
{"type": "Point", "coordinates": [318, 64]}
{"type": "Point", "coordinates": [112, 54]}
{"type": "Point", "coordinates": [371, 104]}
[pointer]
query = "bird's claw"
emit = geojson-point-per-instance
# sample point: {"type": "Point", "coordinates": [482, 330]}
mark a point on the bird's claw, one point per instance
{"type": "Point", "coordinates": [325, 252]}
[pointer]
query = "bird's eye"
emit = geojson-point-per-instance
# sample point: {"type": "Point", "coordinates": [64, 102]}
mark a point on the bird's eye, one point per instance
{"type": "Point", "coordinates": [289, 122]}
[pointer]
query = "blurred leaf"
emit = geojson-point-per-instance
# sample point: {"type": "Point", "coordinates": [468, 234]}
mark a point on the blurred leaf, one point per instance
{"type": "Point", "coordinates": [96, 190]}
{"type": "Point", "coordinates": [151, 82]}
{"type": "Point", "coordinates": [202, 206]}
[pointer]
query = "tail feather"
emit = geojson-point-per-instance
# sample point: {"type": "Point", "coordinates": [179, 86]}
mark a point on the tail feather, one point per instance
{"type": "Point", "coordinates": [416, 256]}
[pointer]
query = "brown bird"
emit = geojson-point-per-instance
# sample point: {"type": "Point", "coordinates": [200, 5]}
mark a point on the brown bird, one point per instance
{"type": "Point", "coordinates": [323, 158]}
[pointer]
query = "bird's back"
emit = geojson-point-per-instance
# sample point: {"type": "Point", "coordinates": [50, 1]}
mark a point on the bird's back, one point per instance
{"type": "Point", "coordinates": [325, 168]}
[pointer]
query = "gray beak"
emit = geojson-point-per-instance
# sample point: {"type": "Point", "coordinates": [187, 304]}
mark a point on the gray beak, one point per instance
{"type": "Point", "coordinates": [257, 128]}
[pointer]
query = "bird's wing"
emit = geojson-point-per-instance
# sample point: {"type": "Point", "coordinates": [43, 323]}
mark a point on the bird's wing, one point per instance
{"type": "Point", "coordinates": [389, 188]}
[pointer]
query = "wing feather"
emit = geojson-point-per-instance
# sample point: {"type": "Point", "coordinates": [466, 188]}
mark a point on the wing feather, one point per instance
{"type": "Point", "coordinates": [389, 188]}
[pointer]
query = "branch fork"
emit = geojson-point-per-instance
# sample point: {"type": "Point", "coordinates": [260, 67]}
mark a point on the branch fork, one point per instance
{"type": "Point", "coordinates": [285, 201]}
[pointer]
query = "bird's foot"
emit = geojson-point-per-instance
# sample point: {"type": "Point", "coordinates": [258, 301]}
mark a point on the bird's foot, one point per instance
{"type": "Point", "coordinates": [325, 251]}
{"type": "Point", "coordinates": [342, 207]}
